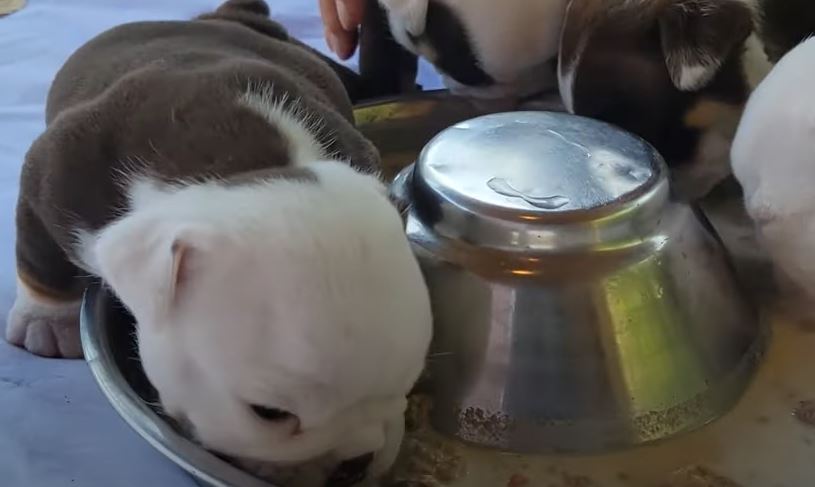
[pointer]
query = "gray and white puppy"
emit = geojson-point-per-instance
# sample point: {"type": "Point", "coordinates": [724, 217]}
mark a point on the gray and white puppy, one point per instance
{"type": "Point", "coordinates": [209, 172]}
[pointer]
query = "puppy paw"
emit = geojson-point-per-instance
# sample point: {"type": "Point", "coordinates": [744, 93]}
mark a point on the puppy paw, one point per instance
{"type": "Point", "coordinates": [44, 327]}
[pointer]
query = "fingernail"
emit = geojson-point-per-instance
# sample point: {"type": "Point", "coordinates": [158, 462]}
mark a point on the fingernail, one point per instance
{"type": "Point", "coordinates": [345, 17]}
{"type": "Point", "coordinates": [332, 41]}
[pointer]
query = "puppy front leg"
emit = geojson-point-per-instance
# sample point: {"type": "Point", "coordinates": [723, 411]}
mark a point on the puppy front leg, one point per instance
{"type": "Point", "coordinates": [44, 318]}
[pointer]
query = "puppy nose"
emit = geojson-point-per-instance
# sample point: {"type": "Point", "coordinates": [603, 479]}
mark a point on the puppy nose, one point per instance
{"type": "Point", "coordinates": [350, 472]}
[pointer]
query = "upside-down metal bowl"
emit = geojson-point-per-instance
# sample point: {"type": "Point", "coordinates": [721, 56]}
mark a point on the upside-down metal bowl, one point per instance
{"type": "Point", "coordinates": [400, 128]}
{"type": "Point", "coordinates": [577, 307]}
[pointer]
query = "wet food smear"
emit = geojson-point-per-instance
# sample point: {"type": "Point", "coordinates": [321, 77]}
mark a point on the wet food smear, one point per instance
{"type": "Point", "coordinates": [805, 413]}
{"type": "Point", "coordinates": [698, 476]}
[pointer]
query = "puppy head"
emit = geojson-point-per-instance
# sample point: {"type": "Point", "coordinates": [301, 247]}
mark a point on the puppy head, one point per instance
{"type": "Point", "coordinates": [670, 71]}
{"type": "Point", "coordinates": [483, 48]}
{"type": "Point", "coordinates": [283, 320]}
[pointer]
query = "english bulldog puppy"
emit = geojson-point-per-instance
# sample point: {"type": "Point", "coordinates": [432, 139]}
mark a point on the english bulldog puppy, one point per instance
{"type": "Point", "coordinates": [209, 173]}
{"type": "Point", "coordinates": [675, 72]}
{"type": "Point", "coordinates": [502, 53]}
{"type": "Point", "coordinates": [773, 157]}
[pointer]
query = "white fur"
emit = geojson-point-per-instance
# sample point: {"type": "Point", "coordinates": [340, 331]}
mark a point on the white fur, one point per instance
{"type": "Point", "coordinates": [44, 327]}
{"type": "Point", "coordinates": [512, 39]}
{"type": "Point", "coordinates": [409, 15]}
{"type": "Point", "coordinates": [694, 76]}
{"type": "Point", "coordinates": [298, 128]}
{"type": "Point", "coordinates": [773, 157]}
{"type": "Point", "coordinates": [297, 295]}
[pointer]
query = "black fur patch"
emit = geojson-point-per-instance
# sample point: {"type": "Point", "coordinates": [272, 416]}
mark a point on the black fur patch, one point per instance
{"type": "Point", "coordinates": [385, 67]}
{"type": "Point", "coordinates": [783, 24]}
{"type": "Point", "coordinates": [445, 33]}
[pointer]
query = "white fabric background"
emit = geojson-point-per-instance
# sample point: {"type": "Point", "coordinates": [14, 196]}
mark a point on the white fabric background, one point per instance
{"type": "Point", "coordinates": [56, 428]}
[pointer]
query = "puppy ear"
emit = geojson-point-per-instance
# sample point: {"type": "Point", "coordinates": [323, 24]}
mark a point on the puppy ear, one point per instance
{"type": "Point", "coordinates": [251, 13]}
{"type": "Point", "coordinates": [258, 7]}
{"type": "Point", "coordinates": [699, 35]}
{"type": "Point", "coordinates": [148, 263]}
{"type": "Point", "coordinates": [411, 13]}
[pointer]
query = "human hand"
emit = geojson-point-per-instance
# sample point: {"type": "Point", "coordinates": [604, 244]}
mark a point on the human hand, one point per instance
{"type": "Point", "coordinates": [341, 21]}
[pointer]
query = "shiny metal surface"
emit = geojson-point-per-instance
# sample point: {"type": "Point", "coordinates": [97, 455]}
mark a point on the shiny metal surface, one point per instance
{"type": "Point", "coordinates": [607, 322]}
{"type": "Point", "coordinates": [537, 180]}
{"type": "Point", "coordinates": [535, 163]}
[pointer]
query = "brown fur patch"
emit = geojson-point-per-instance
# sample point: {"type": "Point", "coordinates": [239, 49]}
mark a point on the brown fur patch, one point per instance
{"type": "Point", "coordinates": [707, 112]}
{"type": "Point", "coordinates": [44, 293]}
{"type": "Point", "coordinates": [162, 99]}
{"type": "Point", "coordinates": [627, 56]}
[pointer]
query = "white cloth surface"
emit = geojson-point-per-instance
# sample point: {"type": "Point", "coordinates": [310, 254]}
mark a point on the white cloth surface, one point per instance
{"type": "Point", "coordinates": [56, 427]}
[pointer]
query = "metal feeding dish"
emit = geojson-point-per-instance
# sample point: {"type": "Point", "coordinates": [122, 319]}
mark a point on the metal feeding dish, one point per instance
{"type": "Point", "coordinates": [578, 308]}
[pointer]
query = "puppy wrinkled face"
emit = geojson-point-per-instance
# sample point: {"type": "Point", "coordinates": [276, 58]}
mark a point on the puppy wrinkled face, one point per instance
{"type": "Point", "coordinates": [670, 71]}
{"type": "Point", "coordinates": [287, 332]}
{"type": "Point", "coordinates": [483, 48]}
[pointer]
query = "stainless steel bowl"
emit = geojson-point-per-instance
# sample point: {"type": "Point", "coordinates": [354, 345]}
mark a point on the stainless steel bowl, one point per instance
{"type": "Point", "coordinates": [578, 308]}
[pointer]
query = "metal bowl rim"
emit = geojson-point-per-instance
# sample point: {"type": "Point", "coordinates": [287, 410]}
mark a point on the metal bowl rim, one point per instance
{"type": "Point", "coordinates": [181, 451]}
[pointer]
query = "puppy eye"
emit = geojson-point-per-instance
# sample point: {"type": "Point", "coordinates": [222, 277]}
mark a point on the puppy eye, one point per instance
{"type": "Point", "coordinates": [271, 414]}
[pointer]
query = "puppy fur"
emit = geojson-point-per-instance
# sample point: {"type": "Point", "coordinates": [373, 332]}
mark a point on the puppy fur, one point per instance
{"type": "Point", "coordinates": [773, 159]}
{"type": "Point", "coordinates": [784, 24]}
{"type": "Point", "coordinates": [676, 72]}
{"type": "Point", "coordinates": [483, 49]}
{"type": "Point", "coordinates": [208, 171]}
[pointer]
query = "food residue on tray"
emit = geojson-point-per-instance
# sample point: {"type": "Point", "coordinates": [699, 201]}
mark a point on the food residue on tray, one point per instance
{"type": "Point", "coordinates": [417, 414]}
{"type": "Point", "coordinates": [425, 460]}
{"type": "Point", "coordinates": [698, 476]}
{"type": "Point", "coordinates": [805, 412]}
{"type": "Point", "coordinates": [570, 480]}
{"type": "Point", "coordinates": [479, 424]}
{"type": "Point", "coordinates": [518, 480]}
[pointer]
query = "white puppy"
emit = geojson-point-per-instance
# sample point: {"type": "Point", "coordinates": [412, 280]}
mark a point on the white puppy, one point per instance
{"type": "Point", "coordinates": [209, 173]}
{"type": "Point", "coordinates": [773, 157]}
{"type": "Point", "coordinates": [483, 48]}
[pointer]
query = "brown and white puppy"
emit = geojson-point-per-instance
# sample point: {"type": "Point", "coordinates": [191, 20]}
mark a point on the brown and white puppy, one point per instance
{"type": "Point", "coordinates": [675, 72]}
{"type": "Point", "coordinates": [208, 171]}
